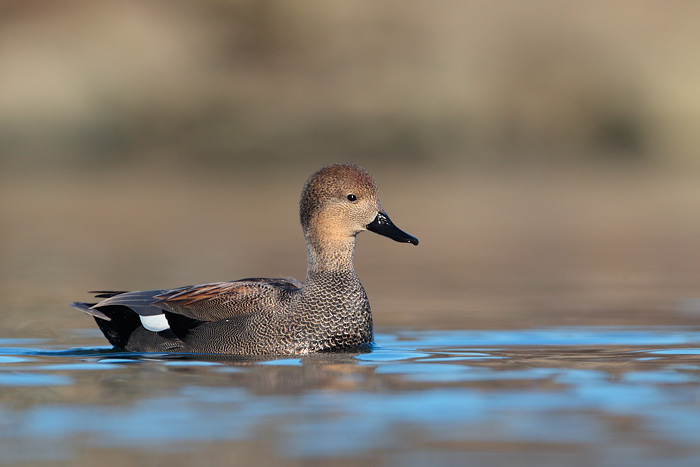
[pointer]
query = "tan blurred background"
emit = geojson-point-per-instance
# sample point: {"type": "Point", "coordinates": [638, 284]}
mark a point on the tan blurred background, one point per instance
{"type": "Point", "coordinates": [545, 153]}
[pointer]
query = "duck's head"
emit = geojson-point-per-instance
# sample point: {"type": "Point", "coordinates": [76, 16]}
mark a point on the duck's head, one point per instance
{"type": "Point", "coordinates": [341, 200]}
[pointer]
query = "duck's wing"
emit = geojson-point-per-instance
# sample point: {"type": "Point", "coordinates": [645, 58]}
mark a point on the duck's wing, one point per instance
{"type": "Point", "coordinates": [207, 302]}
{"type": "Point", "coordinates": [224, 300]}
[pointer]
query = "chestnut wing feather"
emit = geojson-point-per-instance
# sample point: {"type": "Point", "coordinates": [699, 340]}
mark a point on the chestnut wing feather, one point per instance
{"type": "Point", "coordinates": [207, 302]}
{"type": "Point", "coordinates": [223, 300]}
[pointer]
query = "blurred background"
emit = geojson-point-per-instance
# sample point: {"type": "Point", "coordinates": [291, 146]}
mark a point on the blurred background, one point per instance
{"type": "Point", "coordinates": [545, 153]}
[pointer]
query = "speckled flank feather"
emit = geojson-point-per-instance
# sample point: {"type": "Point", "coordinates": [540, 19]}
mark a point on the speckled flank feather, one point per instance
{"type": "Point", "coordinates": [259, 316]}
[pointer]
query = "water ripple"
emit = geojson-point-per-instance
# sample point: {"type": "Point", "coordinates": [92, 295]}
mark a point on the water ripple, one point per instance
{"type": "Point", "coordinates": [602, 390]}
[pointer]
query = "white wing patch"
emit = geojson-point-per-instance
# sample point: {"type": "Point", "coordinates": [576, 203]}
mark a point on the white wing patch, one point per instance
{"type": "Point", "coordinates": [155, 323]}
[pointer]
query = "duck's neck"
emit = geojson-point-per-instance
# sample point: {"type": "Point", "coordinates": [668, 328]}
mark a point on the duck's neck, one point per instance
{"type": "Point", "coordinates": [332, 256]}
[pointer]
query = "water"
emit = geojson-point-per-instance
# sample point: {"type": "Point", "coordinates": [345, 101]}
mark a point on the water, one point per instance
{"type": "Point", "coordinates": [520, 250]}
{"type": "Point", "coordinates": [554, 396]}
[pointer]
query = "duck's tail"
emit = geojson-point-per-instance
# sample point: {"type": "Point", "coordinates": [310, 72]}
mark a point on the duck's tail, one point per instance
{"type": "Point", "coordinates": [122, 328]}
{"type": "Point", "coordinates": [87, 309]}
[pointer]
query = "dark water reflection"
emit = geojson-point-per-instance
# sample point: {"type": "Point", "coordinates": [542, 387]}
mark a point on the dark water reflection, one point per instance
{"type": "Point", "coordinates": [580, 396]}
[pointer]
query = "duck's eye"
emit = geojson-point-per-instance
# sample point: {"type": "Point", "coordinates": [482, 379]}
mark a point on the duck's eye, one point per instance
{"type": "Point", "coordinates": [352, 197]}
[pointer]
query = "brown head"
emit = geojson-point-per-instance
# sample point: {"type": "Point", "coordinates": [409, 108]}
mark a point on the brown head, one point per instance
{"type": "Point", "coordinates": [341, 200]}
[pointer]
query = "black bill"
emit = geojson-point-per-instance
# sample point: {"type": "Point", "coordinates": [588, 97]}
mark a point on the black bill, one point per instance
{"type": "Point", "coordinates": [383, 226]}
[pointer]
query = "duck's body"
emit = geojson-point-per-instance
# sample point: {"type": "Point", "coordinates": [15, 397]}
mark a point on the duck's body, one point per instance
{"type": "Point", "coordinates": [328, 311]}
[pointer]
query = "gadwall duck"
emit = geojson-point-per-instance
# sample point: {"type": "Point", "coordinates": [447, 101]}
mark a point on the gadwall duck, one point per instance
{"type": "Point", "coordinates": [257, 316]}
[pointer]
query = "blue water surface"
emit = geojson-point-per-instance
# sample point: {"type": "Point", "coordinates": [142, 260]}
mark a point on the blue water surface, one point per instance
{"type": "Point", "coordinates": [611, 396]}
